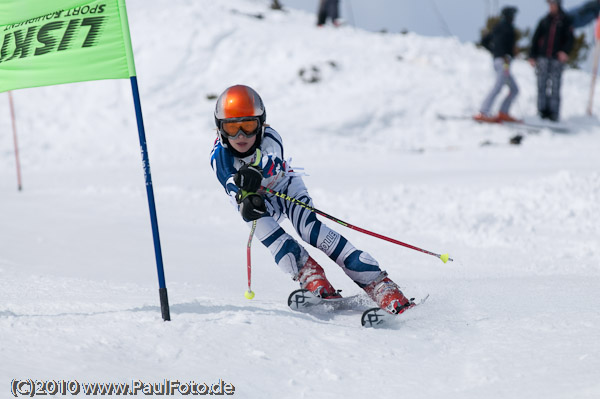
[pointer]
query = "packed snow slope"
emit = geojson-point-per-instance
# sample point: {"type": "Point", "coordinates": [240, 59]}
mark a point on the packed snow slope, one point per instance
{"type": "Point", "coordinates": [515, 315]}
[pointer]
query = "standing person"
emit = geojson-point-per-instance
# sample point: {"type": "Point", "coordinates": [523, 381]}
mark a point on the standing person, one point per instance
{"type": "Point", "coordinates": [501, 41]}
{"type": "Point", "coordinates": [248, 154]}
{"type": "Point", "coordinates": [275, 5]}
{"type": "Point", "coordinates": [551, 43]}
{"type": "Point", "coordinates": [328, 9]}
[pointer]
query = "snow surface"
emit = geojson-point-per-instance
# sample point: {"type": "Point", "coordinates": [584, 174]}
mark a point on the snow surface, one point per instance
{"type": "Point", "coordinates": [516, 315]}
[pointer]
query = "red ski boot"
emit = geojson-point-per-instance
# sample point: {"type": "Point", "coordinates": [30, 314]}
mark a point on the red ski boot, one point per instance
{"type": "Point", "coordinates": [312, 277]}
{"type": "Point", "coordinates": [502, 117]}
{"type": "Point", "coordinates": [387, 295]}
{"type": "Point", "coordinates": [481, 117]}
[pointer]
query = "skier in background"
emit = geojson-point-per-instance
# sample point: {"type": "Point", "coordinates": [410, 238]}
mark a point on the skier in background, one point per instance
{"type": "Point", "coordinates": [276, 5]}
{"type": "Point", "coordinates": [328, 9]}
{"type": "Point", "coordinates": [551, 43]}
{"type": "Point", "coordinates": [501, 42]}
{"type": "Point", "coordinates": [248, 154]}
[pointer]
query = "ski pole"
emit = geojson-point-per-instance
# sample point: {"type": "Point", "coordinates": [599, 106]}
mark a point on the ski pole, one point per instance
{"type": "Point", "coordinates": [250, 294]}
{"type": "Point", "coordinates": [594, 68]}
{"type": "Point", "coordinates": [444, 257]}
{"type": "Point", "coordinates": [14, 127]}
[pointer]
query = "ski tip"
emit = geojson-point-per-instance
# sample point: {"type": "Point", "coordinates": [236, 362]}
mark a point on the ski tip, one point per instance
{"type": "Point", "coordinates": [296, 298]}
{"type": "Point", "coordinates": [374, 317]}
{"type": "Point", "coordinates": [377, 317]}
{"type": "Point", "coordinates": [301, 299]}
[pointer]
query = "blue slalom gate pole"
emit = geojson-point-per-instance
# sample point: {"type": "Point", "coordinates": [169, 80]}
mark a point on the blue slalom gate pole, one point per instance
{"type": "Point", "coordinates": [162, 288]}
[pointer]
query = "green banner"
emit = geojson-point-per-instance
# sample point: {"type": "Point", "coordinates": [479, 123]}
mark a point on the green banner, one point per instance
{"type": "Point", "coordinates": [48, 42]}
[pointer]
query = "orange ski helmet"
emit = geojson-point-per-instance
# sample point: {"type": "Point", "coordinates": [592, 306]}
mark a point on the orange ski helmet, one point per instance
{"type": "Point", "coordinates": [237, 104]}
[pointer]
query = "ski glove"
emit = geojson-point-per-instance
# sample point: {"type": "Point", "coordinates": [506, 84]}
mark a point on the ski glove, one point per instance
{"type": "Point", "coordinates": [252, 205]}
{"type": "Point", "coordinates": [248, 178]}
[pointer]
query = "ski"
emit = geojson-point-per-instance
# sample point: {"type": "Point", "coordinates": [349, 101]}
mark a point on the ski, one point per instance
{"type": "Point", "coordinates": [246, 14]}
{"type": "Point", "coordinates": [523, 125]}
{"type": "Point", "coordinates": [302, 300]}
{"type": "Point", "coordinates": [538, 126]}
{"type": "Point", "coordinates": [444, 117]}
{"type": "Point", "coordinates": [377, 317]}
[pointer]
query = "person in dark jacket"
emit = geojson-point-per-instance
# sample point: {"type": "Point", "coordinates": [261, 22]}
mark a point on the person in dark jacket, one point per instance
{"type": "Point", "coordinates": [551, 43]}
{"type": "Point", "coordinates": [501, 42]}
{"type": "Point", "coordinates": [328, 9]}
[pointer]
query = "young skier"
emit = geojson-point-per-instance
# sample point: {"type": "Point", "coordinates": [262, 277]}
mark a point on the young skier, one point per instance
{"type": "Point", "coordinates": [501, 42]}
{"type": "Point", "coordinates": [248, 154]}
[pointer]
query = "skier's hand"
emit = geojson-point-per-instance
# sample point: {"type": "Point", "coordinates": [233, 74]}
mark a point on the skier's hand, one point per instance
{"type": "Point", "coordinates": [532, 62]}
{"type": "Point", "coordinates": [252, 205]}
{"type": "Point", "coordinates": [562, 56]}
{"type": "Point", "coordinates": [248, 178]}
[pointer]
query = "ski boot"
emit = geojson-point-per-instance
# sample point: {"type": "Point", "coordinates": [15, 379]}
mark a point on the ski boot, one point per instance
{"type": "Point", "coordinates": [502, 117]}
{"type": "Point", "coordinates": [387, 295]}
{"type": "Point", "coordinates": [481, 117]}
{"type": "Point", "coordinates": [312, 278]}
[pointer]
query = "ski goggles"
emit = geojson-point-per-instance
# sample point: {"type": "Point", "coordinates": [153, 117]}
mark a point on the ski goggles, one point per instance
{"type": "Point", "coordinates": [234, 127]}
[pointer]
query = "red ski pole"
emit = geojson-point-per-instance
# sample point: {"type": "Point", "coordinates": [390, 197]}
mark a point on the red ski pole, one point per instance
{"type": "Point", "coordinates": [250, 294]}
{"type": "Point", "coordinates": [444, 257]}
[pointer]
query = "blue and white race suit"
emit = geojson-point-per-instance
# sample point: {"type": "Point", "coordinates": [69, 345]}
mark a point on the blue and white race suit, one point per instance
{"type": "Point", "coordinates": [289, 255]}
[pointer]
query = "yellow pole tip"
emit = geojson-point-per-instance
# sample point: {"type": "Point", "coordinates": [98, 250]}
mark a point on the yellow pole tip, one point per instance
{"type": "Point", "coordinates": [249, 294]}
{"type": "Point", "coordinates": [444, 257]}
